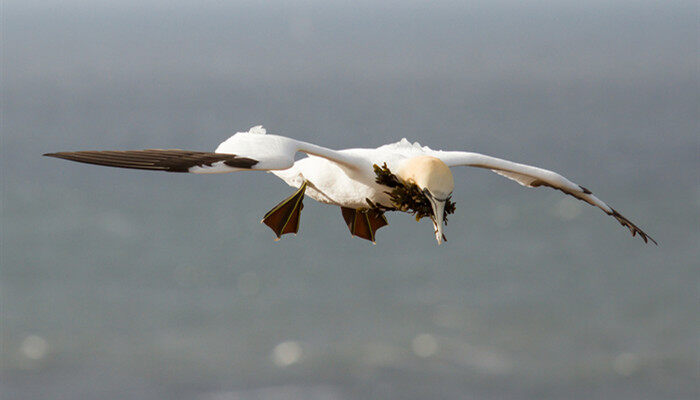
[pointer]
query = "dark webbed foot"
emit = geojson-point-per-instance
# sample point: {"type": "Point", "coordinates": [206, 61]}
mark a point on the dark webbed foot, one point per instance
{"type": "Point", "coordinates": [363, 223]}
{"type": "Point", "coordinates": [284, 217]}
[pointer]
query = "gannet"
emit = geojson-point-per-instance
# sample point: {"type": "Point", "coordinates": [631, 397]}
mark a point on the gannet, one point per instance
{"type": "Point", "coordinates": [365, 183]}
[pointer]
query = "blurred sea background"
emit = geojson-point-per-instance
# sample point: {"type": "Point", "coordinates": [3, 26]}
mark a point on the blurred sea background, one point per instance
{"type": "Point", "coordinates": [120, 284]}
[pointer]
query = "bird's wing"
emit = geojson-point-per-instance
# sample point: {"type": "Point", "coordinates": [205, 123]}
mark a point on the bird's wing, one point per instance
{"type": "Point", "coordinates": [252, 150]}
{"type": "Point", "coordinates": [171, 160]}
{"type": "Point", "coordinates": [276, 152]}
{"type": "Point", "coordinates": [531, 176]}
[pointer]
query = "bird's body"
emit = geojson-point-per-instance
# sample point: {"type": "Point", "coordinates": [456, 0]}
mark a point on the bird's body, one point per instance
{"type": "Point", "coordinates": [364, 182]}
{"type": "Point", "coordinates": [330, 183]}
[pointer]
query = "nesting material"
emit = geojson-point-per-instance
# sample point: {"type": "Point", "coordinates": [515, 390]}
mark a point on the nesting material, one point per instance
{"type": "Point", "coordinates": [406, 196]}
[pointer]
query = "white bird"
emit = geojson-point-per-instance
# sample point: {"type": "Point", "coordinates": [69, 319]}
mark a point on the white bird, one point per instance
{"type": "Point", "coordinates": [364, 182]}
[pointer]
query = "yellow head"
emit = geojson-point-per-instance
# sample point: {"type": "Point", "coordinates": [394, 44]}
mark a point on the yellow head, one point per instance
{"type": "Point", "coordinates": [435, 179]}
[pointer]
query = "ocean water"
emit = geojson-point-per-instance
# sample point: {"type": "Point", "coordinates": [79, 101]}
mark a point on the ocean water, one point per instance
{"type": "Point", "coordinates": [130, 284]}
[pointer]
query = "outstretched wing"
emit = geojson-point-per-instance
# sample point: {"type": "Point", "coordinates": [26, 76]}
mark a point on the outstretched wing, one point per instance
{"type": "Point", "coordinates": [530, 176]}
{"type": "Point", "coordinates": [252, 150]}
{"type": "Point", "coordinates": [172, 160]}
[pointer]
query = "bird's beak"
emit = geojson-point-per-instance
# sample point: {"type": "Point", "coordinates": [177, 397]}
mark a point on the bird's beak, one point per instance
{"type": "Point", "coordinates": [438, 216]}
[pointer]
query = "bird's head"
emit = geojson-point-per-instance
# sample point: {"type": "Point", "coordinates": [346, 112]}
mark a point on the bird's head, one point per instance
{"type": "Point", "coordinates": [435, 180]}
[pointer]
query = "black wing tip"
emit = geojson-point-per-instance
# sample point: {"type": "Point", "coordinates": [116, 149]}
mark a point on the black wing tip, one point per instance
{"type": "Point", "coordinates": [634, 229]}
{"type": "Point", "coordinates": [648, 239]}
{"type": "Point", "coordinates": [169, 160]}
{"type": "Point", "coordinates": [60, 154]}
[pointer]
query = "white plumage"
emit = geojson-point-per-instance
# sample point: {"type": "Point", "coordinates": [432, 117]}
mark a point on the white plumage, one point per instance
{"type": "Point", "coordinates": [345, 178]}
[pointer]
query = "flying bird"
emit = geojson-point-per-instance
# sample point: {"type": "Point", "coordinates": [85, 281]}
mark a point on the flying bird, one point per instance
{"type": "Point", "coordinates": [365, 183]}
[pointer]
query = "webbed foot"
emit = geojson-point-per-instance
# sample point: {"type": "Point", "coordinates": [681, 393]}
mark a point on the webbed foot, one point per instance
{"type": "Point", "coordinates": [284, 217]}
{"type": "Point", "coordinates": [364, 223]}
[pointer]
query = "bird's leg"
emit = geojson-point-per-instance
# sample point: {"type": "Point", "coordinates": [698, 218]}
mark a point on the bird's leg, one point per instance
{"type": "Point", "coordinates": [284, 217]}
{"type": "Point", "coordinates": [363, 223]}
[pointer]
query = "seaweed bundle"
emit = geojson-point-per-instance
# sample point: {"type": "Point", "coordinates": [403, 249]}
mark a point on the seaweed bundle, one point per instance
{"type": "Point", "coordinates": [407, 197]}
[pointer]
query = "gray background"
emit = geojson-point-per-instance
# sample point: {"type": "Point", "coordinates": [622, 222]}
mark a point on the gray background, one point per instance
{"type": "Point", "coordinates": [129, 284]}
